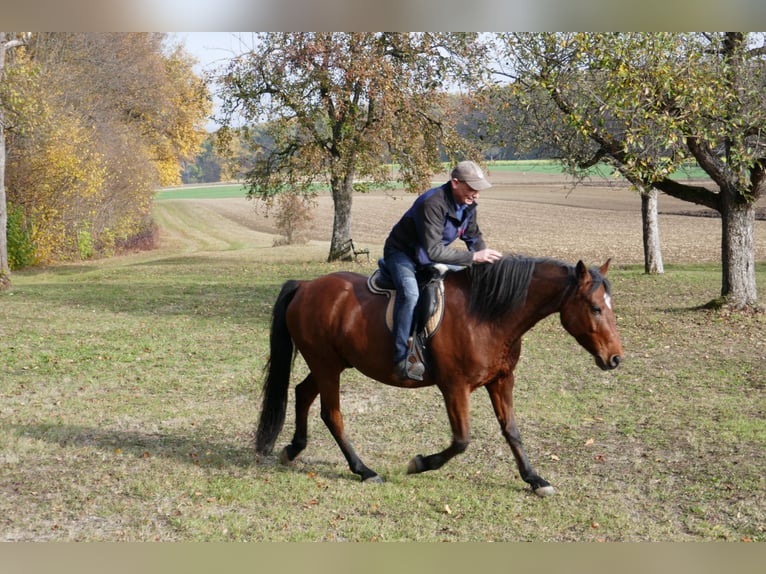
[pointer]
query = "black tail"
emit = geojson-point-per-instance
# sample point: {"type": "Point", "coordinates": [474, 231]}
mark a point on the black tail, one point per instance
{"type": "Point", "coordinates": [278, 370]}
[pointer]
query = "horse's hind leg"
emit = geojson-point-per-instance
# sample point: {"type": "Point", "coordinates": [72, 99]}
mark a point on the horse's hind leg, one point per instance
{"type": "Point", "coordinates": [305, 393]}
{"type": "Point", "coordinates": [332, 417]}
{"type": "Point", "coordinates": [501, 395]}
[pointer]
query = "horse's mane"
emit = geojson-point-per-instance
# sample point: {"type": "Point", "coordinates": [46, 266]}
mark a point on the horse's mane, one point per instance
{"type": "Point", "coordinates": [500, 287]}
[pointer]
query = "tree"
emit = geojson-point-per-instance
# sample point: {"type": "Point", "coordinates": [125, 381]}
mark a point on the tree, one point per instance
{"type": "Point", "coordinates": [338, 106]}
{"type": "Point", "coordinates": [134, 80]}
{"type": "Point", "coordinates": [98, 122]}
{"type": "Point", "coordinates": [177, 128]}
{"type": "Point", "coordinates": [650, 103]}
{"type": "Point", "coordinates": [206, 167]}
{"type": "Point", "coordinates": [7, 42]}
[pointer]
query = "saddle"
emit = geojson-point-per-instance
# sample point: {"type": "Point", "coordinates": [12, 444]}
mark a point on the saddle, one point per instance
{"type": "Point", "coordinates": [430, 307]}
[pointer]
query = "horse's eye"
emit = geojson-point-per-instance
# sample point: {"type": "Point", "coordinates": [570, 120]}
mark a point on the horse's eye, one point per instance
{"type": "Point", "coordinates": [595, 309]}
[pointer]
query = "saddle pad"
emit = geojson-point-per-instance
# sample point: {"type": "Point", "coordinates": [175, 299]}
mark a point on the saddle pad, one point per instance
{"type": "Point", "coordinates": [432, 325]}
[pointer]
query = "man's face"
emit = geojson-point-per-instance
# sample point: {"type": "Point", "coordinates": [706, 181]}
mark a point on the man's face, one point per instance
{"type": "Point", "coordinates": [463, 193]}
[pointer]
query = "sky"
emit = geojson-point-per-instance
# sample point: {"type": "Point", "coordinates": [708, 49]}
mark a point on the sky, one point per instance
{"type": "Point", "coordinates": [212, 48]}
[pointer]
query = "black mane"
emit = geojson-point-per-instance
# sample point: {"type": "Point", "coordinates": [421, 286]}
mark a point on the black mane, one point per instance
{"type": "Point", "coordinates": [500, 287]}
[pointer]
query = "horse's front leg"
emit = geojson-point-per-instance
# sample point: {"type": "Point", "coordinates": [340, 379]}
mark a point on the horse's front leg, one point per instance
{"type": "Point", "coordinates": [501, 395]}
{"type": "Point", "coordinates": [456, 402]}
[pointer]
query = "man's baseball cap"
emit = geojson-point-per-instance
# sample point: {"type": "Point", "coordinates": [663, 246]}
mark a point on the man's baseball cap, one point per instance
{"type": "Point", "coordinates": [472, 174]}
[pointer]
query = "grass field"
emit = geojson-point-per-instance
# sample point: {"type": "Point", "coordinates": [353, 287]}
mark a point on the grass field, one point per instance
{"type": "Point", "coordinates": [219, 191]}
{"type": "Point", "coordinates": [129, 393]}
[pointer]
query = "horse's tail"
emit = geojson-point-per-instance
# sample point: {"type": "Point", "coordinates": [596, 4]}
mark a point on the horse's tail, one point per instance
{"type": "Point", "coordinates": [277, 370]}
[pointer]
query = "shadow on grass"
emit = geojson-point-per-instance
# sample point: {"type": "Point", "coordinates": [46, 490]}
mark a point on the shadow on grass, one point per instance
{"type": "Point", "coordinates": [62, 270]}
{"type": "Point", "coordinates": [194, 286]}
{"type": "Point", "coordinates": [188, 449]}
{"type": "Point", "coordinates": [240, 303]}
{"type": "Point", "coordinates": [191, 449]}
{"type": "Point", "coordinates": [179, 261]}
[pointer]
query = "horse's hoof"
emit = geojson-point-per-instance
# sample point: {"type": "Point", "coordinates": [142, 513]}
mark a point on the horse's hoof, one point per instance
{"type": "Point", "coordinates": [544, 491]}
{"type": "Point", "coordinates": [375, 479]}
{"type": "Point", "coordinates": [416, 465]}
{"type": "Point", "coordinates": [284, 458]}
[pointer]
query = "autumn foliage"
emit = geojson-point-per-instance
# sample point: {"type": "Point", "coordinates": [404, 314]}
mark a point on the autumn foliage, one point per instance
{"type": "Point", "coordinates": [95, 123]}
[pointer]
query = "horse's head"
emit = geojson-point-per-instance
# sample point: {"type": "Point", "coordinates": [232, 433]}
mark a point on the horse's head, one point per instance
{"type": "Point", "coordinates": [588, 316]}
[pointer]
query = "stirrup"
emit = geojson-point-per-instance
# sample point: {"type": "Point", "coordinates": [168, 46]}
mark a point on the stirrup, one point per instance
{"type": "Point", "coordinates": [415, 368]}
{"type": "Point", "coordinates": [410, 368]}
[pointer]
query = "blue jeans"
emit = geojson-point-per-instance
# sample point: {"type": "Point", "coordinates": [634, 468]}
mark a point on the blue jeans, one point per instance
{"type": "Point", "coordinates": [401, 270]}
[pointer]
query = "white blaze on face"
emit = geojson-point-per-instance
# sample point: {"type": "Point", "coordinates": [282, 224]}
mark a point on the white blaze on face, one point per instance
{"type": "Point", "coordinates": [608, 300]}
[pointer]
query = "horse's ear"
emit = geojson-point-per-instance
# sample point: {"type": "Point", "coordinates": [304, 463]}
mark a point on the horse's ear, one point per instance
{"type": "Point", "coordinates": [605, 267]}
{"type": "Point", "coordinates": [582, 271]}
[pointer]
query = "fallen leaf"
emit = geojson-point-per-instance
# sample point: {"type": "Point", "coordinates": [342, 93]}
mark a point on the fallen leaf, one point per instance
{"type": "Point", "coordinates": [447, 509]}
{"type": "Point", "coordinates": [554, 457]}
{"type": "Point", "coordinates": [589, 442]}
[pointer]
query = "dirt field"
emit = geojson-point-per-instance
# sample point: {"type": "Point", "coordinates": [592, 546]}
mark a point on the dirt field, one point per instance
{"type": "Point", "coordinates": [537, 214]}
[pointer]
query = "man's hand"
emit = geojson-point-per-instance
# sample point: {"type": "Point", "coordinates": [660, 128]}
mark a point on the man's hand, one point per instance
{"type": "Point", "coordinates": [486, 256]}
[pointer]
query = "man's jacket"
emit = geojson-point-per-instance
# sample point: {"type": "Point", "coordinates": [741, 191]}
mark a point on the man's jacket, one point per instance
{"type": "Point", "coordinates": [432, 223]}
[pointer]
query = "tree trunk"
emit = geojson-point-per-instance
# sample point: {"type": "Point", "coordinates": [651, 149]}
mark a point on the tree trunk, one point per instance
{"type": "Point", "coordinates": [342, 194]}
{"type": "Point", "coordinates": [738, 287]}
{"type": "Point", "coordinates": [737, 209]}
{"type": "Point", "coordinates": [651, 232]}
{"type": "Point", "coordinates": [5, 270]}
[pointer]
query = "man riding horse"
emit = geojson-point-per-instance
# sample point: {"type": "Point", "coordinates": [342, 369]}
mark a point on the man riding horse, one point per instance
{"type": "Point", "coordinates": [421, 238]}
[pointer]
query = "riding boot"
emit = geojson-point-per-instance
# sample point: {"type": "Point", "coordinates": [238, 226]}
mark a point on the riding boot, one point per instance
{"type": "Point", "coordinates": [411, 367]}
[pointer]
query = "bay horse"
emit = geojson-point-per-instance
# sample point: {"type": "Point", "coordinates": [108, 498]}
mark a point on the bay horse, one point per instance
{"type": "Point", "coordinates": [336, 323]}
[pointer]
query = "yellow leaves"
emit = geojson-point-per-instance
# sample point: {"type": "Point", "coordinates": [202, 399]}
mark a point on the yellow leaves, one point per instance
{"type": "Point", "coordinates": [62, 182]}
{"type": "Point", "coordinates": [623, 69]}
{"type": "Point", "coordinates": [96, 129]}
{"type": "Point", "coordinates": [169, 172]}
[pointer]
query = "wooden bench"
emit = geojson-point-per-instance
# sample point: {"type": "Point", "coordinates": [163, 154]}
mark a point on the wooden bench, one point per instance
{"type": "Point", "coordinates": [350, 248]}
